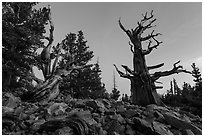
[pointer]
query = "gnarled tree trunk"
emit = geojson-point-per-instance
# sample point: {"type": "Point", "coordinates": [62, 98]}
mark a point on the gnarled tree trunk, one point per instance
{"type": "Point", "coordinates": [49, 88]}
{"type": "Point", "coordinates": [143, 89]}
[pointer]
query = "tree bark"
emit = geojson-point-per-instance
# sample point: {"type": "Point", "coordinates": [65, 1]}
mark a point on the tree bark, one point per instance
{"type": "Point", "coordinates": [143, 89]}
{"type": "Point", "coordinates": [49, 88]}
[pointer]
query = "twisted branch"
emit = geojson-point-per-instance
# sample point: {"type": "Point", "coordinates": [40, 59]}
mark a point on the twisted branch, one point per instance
{"type": "Point", "coordinates": [45, 54]}
{"type": "Point", "coordinates": [174, 70]}
{"type": "Point", "coordinates": [121, 73]}
{"type": "Point", "coordinates": [149, 50]}
{"type": "Point", "coordinates": [123, 28]}
{"type": "Point", "coordinates": [145, 18]}
{"type": "Point", "coordinates": [150, 36]}
{"type": "Point", "coordinates": [135, 34]}
{"type": "Point", "coordinates": [56, 59]}
{"type": "Point", "coordinates": [127, 69]}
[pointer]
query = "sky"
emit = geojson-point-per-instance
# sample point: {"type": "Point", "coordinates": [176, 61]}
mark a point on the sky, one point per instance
{"type": "Point", "coordinates": [179, 23]}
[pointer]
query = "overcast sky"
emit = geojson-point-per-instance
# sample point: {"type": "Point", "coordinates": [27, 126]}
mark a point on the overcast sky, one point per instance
{"type": "Point", "coordinates": [179, 23]}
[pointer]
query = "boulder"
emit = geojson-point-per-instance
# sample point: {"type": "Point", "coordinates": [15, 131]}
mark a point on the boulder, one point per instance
{"type": "Point", "coordinates": [143, 126]}
{"type": "Point", "coordinates": [110, 111]}
{"type": "Point", "coordinates": [7, 109]}
{"type": "Point", "coordinates": [176, 132]}
{"type": "Point", "coordinates": [181, 124]}
{"type": "Point", "coordinates": [81, 103]}
{"type": "Point", "coordinates": [158, 108]}
{"type": "Point", "coordinates": [129, 121]}
{"type": "Point", "coordinates": [129, 130]}
{"type": "Point", "coordinates": [106, 102]}
{"type": "Point", "coordinates": [187, 132]}
{"type": "Point", "coordinates": [85, 115]}
{"type": "Point", "coordinates": [102, 132]}
{"type": "Point", "coordinates": [114, 126]}
{"type": "Point", "coordinates": [19, 110]}
{"type": "Point", "coordinates": [97, 105]}
{"type": "Point", "coordinates": [57, 108]}
{"type": "Point", "coordinates": [161, 129]}
{"type": "Point", "coordinates": [119, 118]}
{"type": "Point", "coordinates": [12, 101]}
{"type": "Point", "coordinates": [120, 109]}
{"type": "Point", "coordinates": [159, 117]}
{"type": "Point", "coordinates": [36, 125]}
{"type": "Point", "coordinates": [130, 113]}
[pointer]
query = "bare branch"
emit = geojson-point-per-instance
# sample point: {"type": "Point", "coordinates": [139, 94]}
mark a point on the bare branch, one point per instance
{"type": "Point", "coordinates": [145, 18]}
{"type": "Point", "coordinates": [177, 63]}
{"type": "Point", "coordinates": [56, 59]}
{"type": "Point", "coordinates": [135, 34]}
{"type": "Point", "coordinates": [158, 82]}
{"type": "Point", "coordinates": [121, 73]}
{"type": "Point", "coordinates": [158, 87]}
{"type": "Point", "coordinates": [156, 66]}
{"type": "Point", "coordinates": [127, 69]}
{"type": "Point", "coordinates": [123, 28]}
{"type": "Point", "coordinates": [150, 36]}
{"type": "Point", "coordinates": [158, 42]}
{"type": "Point", "coordinates": [149, 50]}
{"type": "Point", "coordinates": [149, 25]}
{"type": "Point", "coordinates": [174, 70]}
{"type": "Point", "coordinates": [149, 44]}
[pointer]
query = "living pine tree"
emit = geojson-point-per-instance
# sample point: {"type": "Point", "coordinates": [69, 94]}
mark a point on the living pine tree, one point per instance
{"type": "Point", "coordinates": [173, 96]}
{"type": "Point", "coordinates": [95, 84]}
{"type": "Point", "coordinates": [125, 98]}
{"type": "Point", "coordinates": [88, 82]}
{"type": "Point", "coordinates": [75, 52]}
{"type": "Point", "coordinates": [115, 92]}
{"type": "Point", "coordinates": [23, 33]}
{"type": "Point", "coordinates": [197, 79]}
{"type": "Point", "coordinates": [23, 28]}
{"type": "Point", "coordinates": [187, 89]}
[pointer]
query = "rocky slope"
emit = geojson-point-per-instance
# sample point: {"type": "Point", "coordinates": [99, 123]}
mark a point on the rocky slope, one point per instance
{"type": "Point", "coordinates": [68, 116]}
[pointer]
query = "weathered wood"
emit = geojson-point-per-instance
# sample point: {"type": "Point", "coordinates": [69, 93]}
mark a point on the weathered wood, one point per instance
{"type": "Point", "coordinates": [45, 54]}
{"type": "Point", "coordinates": [174, 70]}
{"type": "Point", "coordinates": [156, 66]}
{"type": "Point", "coordinates": [49, 88]}
{"type": "Point", "coordinates": [143, 89]}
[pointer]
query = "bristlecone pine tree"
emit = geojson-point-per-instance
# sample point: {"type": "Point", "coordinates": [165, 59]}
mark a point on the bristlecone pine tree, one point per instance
{"type": "Point", "coordinates": [115, 92]}
{"type": "Point", "coordinates": [143, 88]}
{"type": "Point", "coordinates": [49, 88]}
